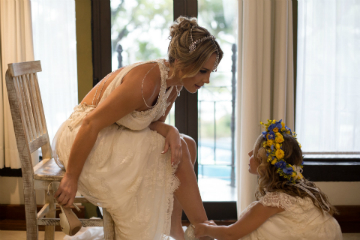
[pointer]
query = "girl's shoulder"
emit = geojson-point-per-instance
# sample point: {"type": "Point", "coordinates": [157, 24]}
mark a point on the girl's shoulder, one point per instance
{"type": "Point", "coordinates": [283, 200]}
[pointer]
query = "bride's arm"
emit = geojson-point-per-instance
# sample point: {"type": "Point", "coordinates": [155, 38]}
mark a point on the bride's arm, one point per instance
{"type": "Point", "coordinates": [124, 99]}
{"type": "Point", "coordinates": [170, 133]}
{"type": "Point", "coordinates": [172, 140]}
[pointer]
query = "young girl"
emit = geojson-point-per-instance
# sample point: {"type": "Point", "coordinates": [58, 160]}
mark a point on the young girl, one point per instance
{"type": "Point", "coordinates": [288, 206]}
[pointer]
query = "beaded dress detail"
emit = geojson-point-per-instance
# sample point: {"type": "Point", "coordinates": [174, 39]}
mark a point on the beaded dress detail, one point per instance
{"type": "Point", "coordinates": [125, 171]}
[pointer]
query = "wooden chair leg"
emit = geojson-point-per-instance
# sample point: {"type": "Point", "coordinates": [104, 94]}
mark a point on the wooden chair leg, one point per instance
{"type": "Point", "coordinates": [109, 227]}
{"type": "Point", "coordinates": [50, 230]}
{"type": "Point", "coordinates": [30, 208]}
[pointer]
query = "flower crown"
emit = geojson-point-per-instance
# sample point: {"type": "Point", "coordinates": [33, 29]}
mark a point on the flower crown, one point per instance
{"type": "Point", "coordinates": [275, 155]}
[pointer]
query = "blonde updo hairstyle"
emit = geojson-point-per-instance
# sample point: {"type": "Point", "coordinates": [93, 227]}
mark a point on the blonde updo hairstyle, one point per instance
{"type": "Point", "coordinates": [180, 40]}
{"type": "Point", "coordinates": [270, 181]}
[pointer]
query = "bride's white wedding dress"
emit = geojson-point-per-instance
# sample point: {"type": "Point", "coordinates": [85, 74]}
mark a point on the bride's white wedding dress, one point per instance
{"type": "Point", "coordinates": [125, 172]}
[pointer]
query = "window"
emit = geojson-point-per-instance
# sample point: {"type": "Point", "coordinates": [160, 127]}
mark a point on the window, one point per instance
{"type": "Point", "coordinates": [132, 22]}
{"type": "Point", "coordinates": [54, 38]}
{"type": "Point", "coordinates": [216, 106]}
{"type": "Point", "coordinates": [327, 96]}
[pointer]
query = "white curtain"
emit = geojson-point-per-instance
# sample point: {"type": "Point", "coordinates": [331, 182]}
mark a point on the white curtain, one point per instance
{"type": "Point", "coordinates": [328, 75]}
{"type": "Point", "coordinates": [16, 46]}
{"type": "Point", "coordinates": [54, 31]}
{"type": "Point", "coordinates": [266, 81]}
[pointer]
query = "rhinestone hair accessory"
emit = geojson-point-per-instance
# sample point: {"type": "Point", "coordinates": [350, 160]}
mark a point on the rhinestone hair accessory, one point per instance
{"type": "Point", "coordinates": [193, 44]}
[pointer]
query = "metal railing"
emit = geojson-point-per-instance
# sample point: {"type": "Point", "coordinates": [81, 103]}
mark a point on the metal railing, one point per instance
{"type": "Point", "coordinates": [232, 125]}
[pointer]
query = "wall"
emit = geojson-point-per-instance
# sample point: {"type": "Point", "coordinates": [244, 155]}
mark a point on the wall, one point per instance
{"type": "Point", "coordinates": [11, 189]}
{"type": "Point", "coordinates": [341, 193]}
{"type": "Point", "coordinates": [84, 47]}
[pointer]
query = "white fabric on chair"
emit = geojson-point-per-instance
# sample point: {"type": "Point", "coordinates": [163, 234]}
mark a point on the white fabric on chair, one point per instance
{"type": "Point", "coordinates": [266, 79]}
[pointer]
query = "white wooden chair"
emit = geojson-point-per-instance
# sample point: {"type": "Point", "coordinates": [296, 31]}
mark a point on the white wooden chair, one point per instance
{"type": "Point", "coordinates": [31, 134]}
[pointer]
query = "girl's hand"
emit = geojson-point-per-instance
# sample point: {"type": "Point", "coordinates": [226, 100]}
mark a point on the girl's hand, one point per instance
{"type": "Point", "coordinates": [66, 192]}
{"type": "Point", "coordinates": [173, 141]}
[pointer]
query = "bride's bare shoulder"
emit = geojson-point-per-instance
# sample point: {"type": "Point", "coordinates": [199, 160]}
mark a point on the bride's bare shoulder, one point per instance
{"type": "Point", "coordinates": [147, 77]}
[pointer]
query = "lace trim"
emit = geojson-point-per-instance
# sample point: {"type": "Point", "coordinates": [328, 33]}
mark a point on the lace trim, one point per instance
{"type": "Point", "coordinates": [164, 71]}
{"type": "Point", "coordinates": [277, 199]}
{"type": "Point", "coordinates": [171, 187]}
{"type": "Point", "coordinates": [295, 207]}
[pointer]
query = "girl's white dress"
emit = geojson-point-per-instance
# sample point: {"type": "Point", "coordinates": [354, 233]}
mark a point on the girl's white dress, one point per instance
{"type": "Point", "coordinates": [125, 172]}
{"type": "Point", "coordinates": [300, 220]}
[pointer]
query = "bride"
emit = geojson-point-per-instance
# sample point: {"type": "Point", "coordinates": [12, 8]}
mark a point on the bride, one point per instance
{"type": "Point", "coordinates": [119, 153]}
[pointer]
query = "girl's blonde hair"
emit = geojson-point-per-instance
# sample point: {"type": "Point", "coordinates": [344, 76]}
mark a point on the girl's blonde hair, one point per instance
{"type": "Point", "coordinates": [180, 40]}
{"type": "Point", "coordinates": [270, 181]}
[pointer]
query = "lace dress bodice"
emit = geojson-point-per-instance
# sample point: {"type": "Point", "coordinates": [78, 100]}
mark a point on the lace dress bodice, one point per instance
{"type": "Point", "coordinates": [136, 120]}
{"type": "Point", "coordinates": [140, 120]}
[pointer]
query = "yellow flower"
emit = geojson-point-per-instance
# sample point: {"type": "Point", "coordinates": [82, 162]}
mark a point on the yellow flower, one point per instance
{"type": "Point", "coordinates": [287, 132]}
{"type": "Point", "coordinates": [275, 130]}
{"type": "Point", "coordinates": [283, 126]}
{"type": "Point", "coordinates": [269, 158]}
{"type": "Point", "coordinates": [274, 121]}
{"type": "Point", "coordinates": [270, 142]}
{"type": "Point", "coordinates": [277, 146]}
{"type": "Point", "coordinates": [293, 174]}
{"type": "Point", "coordinates": [273, 161]}
{"type": "Point", "coordinates": [279, 154]}
{"type": "Point", "coordinates": [279, 138]}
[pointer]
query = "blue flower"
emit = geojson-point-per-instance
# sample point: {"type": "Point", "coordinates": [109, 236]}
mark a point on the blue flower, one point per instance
{"type": "Point", "coordinates": [271, 135]}
{"type": "Point", "coordinates": [280, 164]}
{"type": "Point", "coordinates": [272, 147]}
{"type": "Point", "coordinates": [264, 134]}
{"type": "Point", "coordinates": [288, 129]}
{"type": "Point", "coordinates": [275, 125]}
{"type": "Point", "coordinates": [288, 170]}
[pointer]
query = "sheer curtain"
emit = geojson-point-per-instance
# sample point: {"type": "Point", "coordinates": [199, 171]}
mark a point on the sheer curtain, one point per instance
{"type": "Point", "coordinates": [55, 46]}
{"type": "Point", "coordinates": [328, 75]}
{"type": "Point", "coordinates": [266, 81]}
{"type": "Point", "coordinates": [15, 46]}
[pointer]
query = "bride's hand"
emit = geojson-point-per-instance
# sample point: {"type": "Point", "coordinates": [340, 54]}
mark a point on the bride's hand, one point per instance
{"type": "Point", "coordinates": [200, 229]}
{"type": "Point", "coordinates": [173, 141]}
{"type": "Point", "coordinates": [66, 192]}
